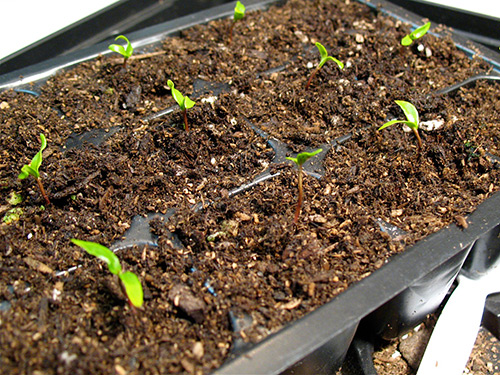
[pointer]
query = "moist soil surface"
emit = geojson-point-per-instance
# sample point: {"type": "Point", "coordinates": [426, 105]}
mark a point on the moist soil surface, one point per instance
{"type": "Point", "coordinates": [112, 156]}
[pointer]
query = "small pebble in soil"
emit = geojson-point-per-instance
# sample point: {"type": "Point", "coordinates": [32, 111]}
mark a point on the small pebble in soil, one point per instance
{"type": "Point", "coordinates": [182, 297]}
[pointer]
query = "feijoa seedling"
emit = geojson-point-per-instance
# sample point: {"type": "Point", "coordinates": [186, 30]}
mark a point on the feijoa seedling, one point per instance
{"type": "Point", "coordinates": [129, 282]}
{"type": "Point", "coordinates": [31, 169]}
{"type": "Point", "coordinates": [239, 13]}
{"type": "Point", "coordinates": [183, 101]}
{"type": "Point", "coordinates": [411, 121]}
{"type": "Point", "coordinates": [415, 34]}
{"type": "Point", "coordinates": [126, 51]}
{"type": "Point", "coordinates": [324, 58]}
{"type": "Point", "coordinates": [300, 159]}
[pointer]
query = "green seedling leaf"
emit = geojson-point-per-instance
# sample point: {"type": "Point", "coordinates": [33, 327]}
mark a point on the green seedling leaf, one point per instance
{"type": "Point", "coordinates": [101, 252]}
{"type": "Point", "coordinates": [324, 57]}
{"type": "Point", "coordinates": [31, 169]}
{"type": "Point", "coordinates": [14, 198]}
{"type": "Point", "coordinates": [411, 114]}
{"type": "Point", "coordinates": [412, 120]}
{"type": "Point", "coordinates": [14, 214]}
{"type": "Point", "coordinates": [239, 11]}
{"type": "Point", "coordinates": [183, 101]}
{"type": "Point", "coordinates": [304, 156]}
{"type": "Point", "coordinates": [133, 288]}
{"type": "Point", "coordinates": [415, 34]}
{"type": "Point", "coordinates": [126, 51]}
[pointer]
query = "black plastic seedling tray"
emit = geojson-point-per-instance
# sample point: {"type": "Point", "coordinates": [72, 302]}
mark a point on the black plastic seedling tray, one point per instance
{"type": "Point", "coordinates": [390, 301]}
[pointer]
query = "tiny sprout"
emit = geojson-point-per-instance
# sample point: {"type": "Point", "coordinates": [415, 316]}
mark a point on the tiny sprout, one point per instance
{"type": "Point", "coordinates": [415, 34]}
{"type": "Point", "coordinates": [184, 102]}
{"type": "Point", "coordinates": [14, 214]}
{"type": "Point", "coordinates": [14, 199]}
{"type": "Point", "coordinates": [239, 13]}
{"type": "Point", "coordinates": [324, 59]}
{"type": "Point", "coordinates": [412, 120]}
{"type": "Point", "coordinates": [32, 169]}
{"type": "Point", "coordinates": [126, 52]}
{"type": "Point", "coordinates": [300, 160]}
{"type": "Point", "coordinates": [129, 282]}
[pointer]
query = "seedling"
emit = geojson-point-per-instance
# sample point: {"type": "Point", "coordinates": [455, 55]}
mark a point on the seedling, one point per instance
{"type": "Point", "coordinates": [184, 102]}
{"type": "Point", "coordinates": [412, 120]}
{"type": "Point", "coordinates": [239, 13]}
{"type": "Point", "coordinates": [415, 34]}
{"type": "Point", "coordinates": [14, 214]}
{"type": "Point", "coordinates": [300, 160]}
{"type": "Point", "coordinates": [129, 282]}
{"type": "Point", "coordinates": [14, 199]}
{"type": "Point", "coordinates": [324, 58]}
{"type": "Point", "coordinates": [31, 169]}
{"type": "Point", "coordinates": [126, 51]}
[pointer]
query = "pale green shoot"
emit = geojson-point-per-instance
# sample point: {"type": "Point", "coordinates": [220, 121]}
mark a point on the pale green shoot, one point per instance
{"type": "Point", "coordinates": [300, 160]}
{"type": "Point", "coordinates": [183, 101]}
{"type": "Point", "coordinates": [324, 58]}
{"type": "Point", "coordinates": [415, 34]}
{"type": "Point", "coordinates": [126, 51]}
{"type": "Point", "coordinates": [412, 120]}
{"type": "Point", "coordinates": [31, 169]}
{"type": "Point", "coordinates": [129, 281]}
{"type": "Point", "coordinates": [239, 13]}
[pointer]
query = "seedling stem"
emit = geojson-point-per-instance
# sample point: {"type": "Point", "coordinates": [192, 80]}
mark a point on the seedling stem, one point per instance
{"type": "Point", "coordinates": [299, 161]}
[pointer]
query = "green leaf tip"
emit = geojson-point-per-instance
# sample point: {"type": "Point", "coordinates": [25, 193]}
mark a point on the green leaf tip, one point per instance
{"type": "Point", "coordinates": [101, 252]}
{"type": "Point", "coordinates": [301, 158]}
{"type": "Point", "coordinates": [32, 168]}
{"type": "Point", "coordinates": [239, 11]}
{"type": "Point", "coordinates": [126, 51]}
{"type": "Point", "coordinates": [415, 34]}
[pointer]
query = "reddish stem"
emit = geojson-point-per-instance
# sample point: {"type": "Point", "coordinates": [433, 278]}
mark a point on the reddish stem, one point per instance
{"type": "Point", "coordinates": [419, 140]}
{"type": "Point", "coordinates": [184, 112]}
{"type": "Point", "coordinates": [42, 190]}
{"type": "Point", "coordinates": [311, 77]}
{"type": "Point", "coordinates": [231, 33]}
{"type": "Point", "coordinates": [301, 196]}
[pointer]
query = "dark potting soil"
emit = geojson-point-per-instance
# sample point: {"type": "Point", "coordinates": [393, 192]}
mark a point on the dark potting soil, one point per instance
{"type": "Point", "coordinates": [239, 255]}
